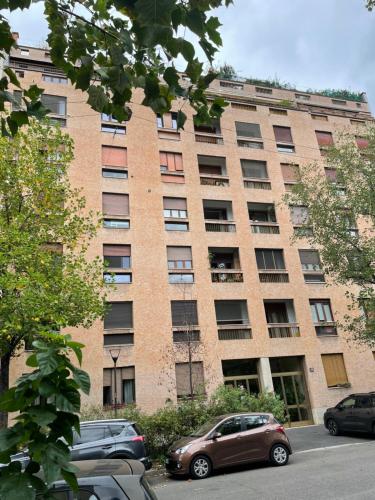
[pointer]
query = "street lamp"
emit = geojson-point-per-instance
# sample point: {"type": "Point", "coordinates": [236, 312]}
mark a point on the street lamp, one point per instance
{"type": "Point", "coordinates": [115, 354]}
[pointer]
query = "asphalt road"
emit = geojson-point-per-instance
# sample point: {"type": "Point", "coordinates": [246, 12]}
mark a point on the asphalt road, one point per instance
{"type": "Point", "coordinates": [321, 467]}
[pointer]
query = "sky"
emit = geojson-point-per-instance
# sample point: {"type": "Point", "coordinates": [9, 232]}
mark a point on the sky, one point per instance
{"type": "Point", "coordinates": [310, 44]}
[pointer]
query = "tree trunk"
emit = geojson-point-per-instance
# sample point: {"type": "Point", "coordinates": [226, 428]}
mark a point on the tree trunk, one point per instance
{"type": "Point", "coordinates": [4, 385]}
{"type": "Point", "coordinates": [191, 372]}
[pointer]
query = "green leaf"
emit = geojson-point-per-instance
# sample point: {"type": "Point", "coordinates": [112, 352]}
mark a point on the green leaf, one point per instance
{"type": "Point", "coordinates": [188, 50]}
{"type": "Point", "coordinates": [42, 415]}
{"type": "Point", "coordinates": [151, 12]}
{"type": "Point", "coordinates": [46, 388]}
{"type": "Point", "coordinates": [195, 20]}
{"type": "Point", "coordinates": [70, 478]}
{"type": "Point", "coordinates": [33, 92]}
{"type": "Point", "coordinates": [171, 77]}
{"type": "Point", "coordinates": [68, 401]}
{"type": "Point", "coordinates": [48, 361]}
{"type": "Point", "coordinates": [12, 77]}
{"type": "Point", "coordinates": [20, 117]}
{"type": "Point", "coordinates": [76, 347]}
{"type": "Point", "coordinates": [97, 99]}
{"type": "Point", "coordinates": [9, 401]}
{"type": "Point", "coordinates": [181, 119]}
{"type": "Point", "coordinates": [16, 487]}
{"type": "Point", "coordinates": [8, 439]}
{"type": "Point", "coordinates": [82, 379]}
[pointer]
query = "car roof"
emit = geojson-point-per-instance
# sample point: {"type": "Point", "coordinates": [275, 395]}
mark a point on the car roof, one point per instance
{"type": "Point", "coordinates": [107, 421]}
{"type": "Point", "coordinates": [362, 394]}
{"type": "Point", "coordinates": [241, 413]}
{"type": "Point", "coordinates": [108, 467]}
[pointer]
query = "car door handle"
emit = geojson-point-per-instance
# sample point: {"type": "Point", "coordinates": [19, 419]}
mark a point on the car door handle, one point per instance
{"type": "Point", "coordinates": [106, 447]}
{"type": "Point", "coordinates": [239, 437]}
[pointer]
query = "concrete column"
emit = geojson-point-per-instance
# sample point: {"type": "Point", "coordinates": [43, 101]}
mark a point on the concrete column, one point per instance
{"type": "Point", "coordinates": [265, 375]}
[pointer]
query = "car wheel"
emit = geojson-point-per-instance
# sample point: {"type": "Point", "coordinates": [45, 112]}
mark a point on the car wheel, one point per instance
{"type": "Point", "coordinates": [200, 467]}
{"type": "Point", "coordinates": [332, 427]}
{"type": "Point", "coordinates": [279, 455]}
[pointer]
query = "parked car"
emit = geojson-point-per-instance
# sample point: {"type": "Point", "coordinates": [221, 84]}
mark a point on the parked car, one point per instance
{"type": "Point", "coordinates": [107, 479]}
{"type": "Point", "coordinates": [355, 413]}
{"type": "Point", "coordinates": [101, 439]}
{"type": "Point", "coordinates": [230, 440]}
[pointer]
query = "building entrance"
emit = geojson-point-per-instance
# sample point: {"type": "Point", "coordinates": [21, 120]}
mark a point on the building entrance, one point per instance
{"type": "Point", "coordinates": [289, 383]}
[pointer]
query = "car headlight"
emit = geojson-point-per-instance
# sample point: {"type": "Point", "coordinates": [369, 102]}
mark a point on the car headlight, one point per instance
{"type": "Point", "coordinates": [182, 450]}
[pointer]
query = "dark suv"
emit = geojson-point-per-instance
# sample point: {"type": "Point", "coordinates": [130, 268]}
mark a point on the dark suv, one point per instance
{"type": "Point", "coordinates": [355, 413]}
{"type": "Point", "coordinates": [110, 439]}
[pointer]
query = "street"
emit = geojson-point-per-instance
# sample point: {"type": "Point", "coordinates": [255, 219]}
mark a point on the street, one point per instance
{"type": "Point", "coordinates": [321, 467]}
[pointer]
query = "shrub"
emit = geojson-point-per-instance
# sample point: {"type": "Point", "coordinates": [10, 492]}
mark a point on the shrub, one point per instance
{"type": "Point", "coordinates": [172, 422]}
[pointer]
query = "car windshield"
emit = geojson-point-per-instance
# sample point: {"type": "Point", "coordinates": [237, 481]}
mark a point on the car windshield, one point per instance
{"type": "Point", "coordinates": [205, 428]}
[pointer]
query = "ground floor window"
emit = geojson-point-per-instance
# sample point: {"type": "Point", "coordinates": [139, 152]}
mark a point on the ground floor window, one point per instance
{"type": "Point", "coordinates": [242, 373]}
{"type": "Point", "coordinates": [186, 372]}
{"type": "Point", "coordinates": [119, 389]}
{"type": "Point", "coordinates": [335, 371]}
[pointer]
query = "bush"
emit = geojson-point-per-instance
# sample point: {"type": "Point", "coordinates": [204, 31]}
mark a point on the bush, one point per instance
{"type": "Point", "coordinates": [170, 423]}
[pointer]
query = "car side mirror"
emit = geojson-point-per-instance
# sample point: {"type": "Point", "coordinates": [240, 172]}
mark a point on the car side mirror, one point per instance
{"type": "Point", "coordinates": [216, 435]}
{"type": "Point", "coordinates": [340, 407]}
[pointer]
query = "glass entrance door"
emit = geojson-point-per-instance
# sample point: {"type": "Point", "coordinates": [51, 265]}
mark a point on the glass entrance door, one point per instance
{"type": "Point", "coordinates": [292, 390]}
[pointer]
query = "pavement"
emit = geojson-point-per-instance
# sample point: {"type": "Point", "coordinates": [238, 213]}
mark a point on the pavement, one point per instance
{"type": "Point", "coordinates": [321, 467]}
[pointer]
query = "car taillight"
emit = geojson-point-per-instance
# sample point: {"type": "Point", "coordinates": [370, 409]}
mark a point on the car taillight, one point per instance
{"type": "Point", "coordinates": [138, 438]}
{"type": "Point", "coordinates": [280, 428]}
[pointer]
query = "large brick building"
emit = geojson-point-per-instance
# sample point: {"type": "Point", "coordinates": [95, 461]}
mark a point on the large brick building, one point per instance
{"type": "Point", "coordinates": [200, 243]}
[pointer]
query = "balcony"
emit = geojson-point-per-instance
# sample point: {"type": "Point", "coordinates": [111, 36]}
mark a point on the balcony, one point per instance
{"type": "Point", "coordinates": [232, 319]}
{"type": "Point", "coordinates": [262, 218]}
{"type": "Point", "coordinates": [186, 337]}
{"type": "Point", "coordinates": [225, 265]}
{"type": "Point", "coordinates": [327, 329]}
{"type": "Point", "coordinates": [214, 180]}
{"type": "Point", "coordinates": [281, 319]}
{"type": "Point", "coordinates": [218, 216]}
{"type": "Point", "coordinates": [257, 184]}
{"type": "Point", "coordinates": [209, 134]}
{"type": "Point", "coordinates": [283, 330]}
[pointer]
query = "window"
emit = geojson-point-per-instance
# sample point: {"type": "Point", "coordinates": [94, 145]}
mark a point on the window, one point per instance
{"type": "Point", "coordinates": [118, 315]}
{"type": "Point", "coordinates": [322, 118]}
{"type": "Point", "coordinates": [250, 144]}
{"type": "Point", "coordinates": [261, 212]}
{"type": "Point", "coordinates": [114, 174]}
{"type": "Point", "coordinates": [310, 260]}
{"type": "Point", "coordinates": [54, 79]}
{"type": "Point", "coordinates": [113, 129]}
{"type": "Point", "coordinates": [55, 104]}
{"type": "Point", "coordinates": [303, 97]}
{"type": "Point", "coordinates": [254, 169]}
{"type": "Point", "coordinates": [116, 223]}
{"type": "Point", "coordinates": [183, 379]}
{"type": "Point", "coordinates": [174, 120]}
{"type": "Point", "coordinates": [171, 162]}
{"type": "Point", "coordinates": [334, 369]}
{"type": "Point", "coordinates": [159, 121]}
{"type": "Point", "coordinates": [114, 157]}
{"type": "Point", "coordinates": [176, 226]}
{"type": "Point", "coordinates": [284, 148]}
{"type": "Point", "coordinates": [177, 278]}
{"type": "Point", "coordinates": [174, 208]}
{"type": "Point", "coordinates": [117, 278]}
{"type": "Point", "coordinates": [269, 259]}
{"type": "Point", "coordinates": [339, 102]}
{"type": "Point", "coordinates": [324, 139]}
{"type": "Point", "coordinates": [290, 172]}
{"type": "Point", "coordinates": [20, 74]}
{"type": "Point", "coordinates": [263, 90]}
{"type": "Point", "coordinates": [363, 402]}
{"type": "Point", "coordinates": [115, 204]}
{"type": "Point", "coordinates": [231, 312]}
{"type": "Point", "coordinates": [282, 134]}
{"type": "Point", "coordinates": [213, 128]}
{"type": "Point", "coordinates": [299, 215]}
{"type": "Point", "coordinates": [25, 52]}
{"type": "Point", "coordinates": [184, 312]}
{"type": "Point", "coordinates": [347, 403]}
{"type": "Point", "coordinates": [230, 426]}
{"type": "Point", "coordinates": [278, 111]}
{"type": "Point", "coordinates": [116, 339]}
{"type": "Point", "coordinates": [248, 130]}
{"type": "Point", "coordinates": [179, 258]}
{"type": "Point", "coordinates": [321, 311]}
{"type": "Point", "coordinates": [92, 433]}
{"type": "Point", "coordinates": [125, 379]}
{"type": "Point", "coordinates": [254, 421]}
{"type": "Point", "coordinates": [231, 85]}
{"type": "Point", "coordinates": [117, 256]}
{"type": "Point", "coordinates": [168, 120]}
{"type": "Point", "coordinates": [243, 106]}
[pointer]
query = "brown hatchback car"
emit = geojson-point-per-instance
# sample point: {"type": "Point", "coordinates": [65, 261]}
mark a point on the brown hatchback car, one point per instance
{"type": "Point", "coordinates": [230, 440]}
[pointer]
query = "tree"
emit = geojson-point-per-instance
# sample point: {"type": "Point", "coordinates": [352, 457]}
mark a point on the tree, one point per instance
{"type": "Point", "coordinates": [110, 47]}
{"type": "Point", "coordinates": [336, 203]}
{"type": "Point", "coordinates": [46, 281]}
{"type": "Point", "coordinates": [227, 72]}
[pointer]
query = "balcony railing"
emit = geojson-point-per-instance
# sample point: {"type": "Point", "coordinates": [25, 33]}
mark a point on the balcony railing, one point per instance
{"type": "Point", "coordinates": [264, 227]}
{"type": "Point", "coordinates": [224, 226]}
{"type": "Point", "coordinates": [209, 138]}
{"type": "Point", "coordinates": [214, 180]}
{"type": "Point", "coordinates": [283, 330]}
{"type": "Point", "coordinates": [226, 276]}
{"type": "Point", "coordinates": [257, 184]}
{"type": "Point", "coordinates": [273, 276]}
{"type": "Point", "coordinates": [326, 329]}
{"type": "Point", "coordinates": [234, 332]}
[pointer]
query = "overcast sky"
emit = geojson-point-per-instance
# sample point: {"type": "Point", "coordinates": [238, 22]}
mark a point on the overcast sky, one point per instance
{"type": "Point", "coordinates": [317, 44]}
